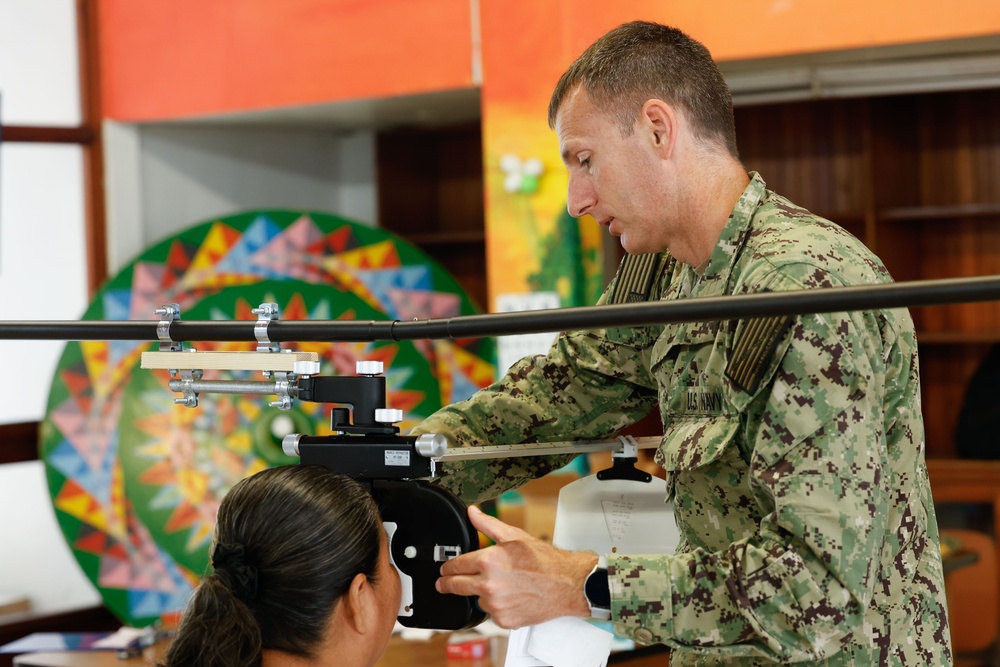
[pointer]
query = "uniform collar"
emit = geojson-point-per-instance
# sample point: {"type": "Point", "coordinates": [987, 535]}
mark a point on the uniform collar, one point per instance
{"type": "Point", "coordinates": [713, 282]}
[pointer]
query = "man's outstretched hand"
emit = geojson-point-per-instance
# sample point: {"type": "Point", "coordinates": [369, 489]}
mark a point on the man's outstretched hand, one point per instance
{"type": "Point", "coordinates": [522, 580]}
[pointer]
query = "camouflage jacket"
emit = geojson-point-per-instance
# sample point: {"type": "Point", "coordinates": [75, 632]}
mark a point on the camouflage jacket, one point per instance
{"type": "Point", "coordinates": [793, 450]}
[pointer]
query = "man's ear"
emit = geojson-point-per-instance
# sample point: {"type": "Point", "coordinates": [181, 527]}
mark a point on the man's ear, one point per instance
{"type": "Point", "coordinates": [355, 603]}
{"type": "Point", "coordinates": [659, 120]}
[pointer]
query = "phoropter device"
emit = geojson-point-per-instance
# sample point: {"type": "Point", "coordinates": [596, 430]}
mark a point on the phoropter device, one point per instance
{"type": "Point", "coordinates": [426, 524]}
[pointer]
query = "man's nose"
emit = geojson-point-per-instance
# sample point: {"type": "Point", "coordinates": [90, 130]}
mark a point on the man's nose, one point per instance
{"type": "Point", "coordinates": [580, 197]}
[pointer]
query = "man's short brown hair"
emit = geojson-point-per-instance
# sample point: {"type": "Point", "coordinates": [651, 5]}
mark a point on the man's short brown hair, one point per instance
{"type": "Point", "coordinates": [639, 61]}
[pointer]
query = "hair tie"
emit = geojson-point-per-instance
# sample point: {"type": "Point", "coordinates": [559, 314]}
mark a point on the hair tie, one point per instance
{"type": "Point", "coordinates": [230, 564]}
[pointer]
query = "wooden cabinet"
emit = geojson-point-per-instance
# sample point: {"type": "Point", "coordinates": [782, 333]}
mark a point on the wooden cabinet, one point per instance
{"type": "Point", "coordinates": [917, 177]}
{"type": "Point", "coordinates": [814, 153]}
{"type": "Point", "coordinates": [430, 191]}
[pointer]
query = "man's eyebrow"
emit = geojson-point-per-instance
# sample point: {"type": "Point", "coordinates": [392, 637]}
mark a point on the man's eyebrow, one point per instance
{"type": "Point", "coordinates": [570, 148]}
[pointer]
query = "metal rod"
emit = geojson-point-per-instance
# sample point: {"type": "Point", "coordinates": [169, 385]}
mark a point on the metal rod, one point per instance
{"type": "Point", "coordinates": [228, 387]}
{"type": "Point", "coordinates": [826, 300]}
{"type": "Point", "coordinates": [543, 448]}
{"type": "Point", "coordinates": [78, 330]}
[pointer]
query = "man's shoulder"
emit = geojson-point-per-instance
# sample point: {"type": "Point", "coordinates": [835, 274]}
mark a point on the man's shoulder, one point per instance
{"type": "Point", "coordinates": [803, 246]}
{"type": "Point", "coordinates": [790, 248]}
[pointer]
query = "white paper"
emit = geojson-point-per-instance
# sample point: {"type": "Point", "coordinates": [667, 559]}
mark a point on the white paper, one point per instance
{"type": "Point", "coordinates": [121, 638]}
{"type": "Point", "coordinates": [561, 642]}
{"type": "Point", "coordinates": [517, 650]}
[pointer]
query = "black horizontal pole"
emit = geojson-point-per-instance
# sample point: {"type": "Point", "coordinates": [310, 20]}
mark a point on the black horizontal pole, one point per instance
{"type": "Point", "coordinates": [826, 300]}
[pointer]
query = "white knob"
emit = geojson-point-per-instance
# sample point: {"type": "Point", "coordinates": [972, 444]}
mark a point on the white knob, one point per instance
{"type": "Point", "coordinates": [305, 368]}
{"type": "Point", "coordinates": [368, 367]}
{"type": "Point", "coordinates": [410, 552]}
{"type": "Point", "coordinates": [388, 415]}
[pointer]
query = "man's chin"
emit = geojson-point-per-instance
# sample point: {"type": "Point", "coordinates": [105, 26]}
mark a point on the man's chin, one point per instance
{"type": "Point", "coordinates": [639, 244]}
{"type": "Point", "coordinates": [632, 246]}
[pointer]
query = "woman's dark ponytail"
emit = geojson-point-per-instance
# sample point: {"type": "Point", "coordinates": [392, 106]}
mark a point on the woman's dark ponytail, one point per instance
{"type": "Point", "coordinates": [217, 630]}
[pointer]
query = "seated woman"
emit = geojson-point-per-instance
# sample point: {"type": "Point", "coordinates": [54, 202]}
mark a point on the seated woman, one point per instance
{"type": "Point", "coordinates": [301, 577]}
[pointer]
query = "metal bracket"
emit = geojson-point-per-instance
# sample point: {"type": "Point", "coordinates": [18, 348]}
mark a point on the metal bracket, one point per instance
{"type": "Point", "coordinates": [283, 382]}
{"type": "Point", "coordinates": [189, 396]}
{"type": "Point", "coordinates": [288, 368]}
{"type": "Point", "coordinates": [169, 313]}
{"type": "Point", "coordinates": [265, 313]}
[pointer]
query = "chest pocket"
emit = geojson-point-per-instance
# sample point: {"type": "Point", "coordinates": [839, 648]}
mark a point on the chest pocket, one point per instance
{"type": "Point", "coordinates": [701, 425]}
{"type": "Point", "coordinates": [688, 362]}
{"type": "Point", "coordinates": [701, 452]}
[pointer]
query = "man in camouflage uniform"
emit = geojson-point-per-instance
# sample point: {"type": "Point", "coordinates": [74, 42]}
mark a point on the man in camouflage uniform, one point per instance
{"type": "Point", "coordinates": [793, 446]}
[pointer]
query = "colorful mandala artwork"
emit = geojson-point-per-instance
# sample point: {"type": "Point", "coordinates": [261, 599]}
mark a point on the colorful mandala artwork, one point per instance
{"type": "Point", "coordinates": [135, 478]}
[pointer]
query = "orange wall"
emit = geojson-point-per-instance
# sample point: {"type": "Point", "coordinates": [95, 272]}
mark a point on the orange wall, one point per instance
{"type": "Point", "coordinates": [739, 29]}
{"type": "Point", "coordinates": [164, 59]}
{"type": "Point", "coordinates": [179, 58]}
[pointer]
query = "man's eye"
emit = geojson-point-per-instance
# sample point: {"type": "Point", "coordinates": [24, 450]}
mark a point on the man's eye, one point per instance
{"type": "Point", "coordinates": [585, 163]}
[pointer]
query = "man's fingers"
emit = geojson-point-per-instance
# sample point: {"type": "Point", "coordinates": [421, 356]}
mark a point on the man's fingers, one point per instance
{"type": "Point", "coordinates": [462, 584]}
{"type": "Point", "coordinates": [464, 564]}
{"type": "Point", "coordinates": [494, 528]}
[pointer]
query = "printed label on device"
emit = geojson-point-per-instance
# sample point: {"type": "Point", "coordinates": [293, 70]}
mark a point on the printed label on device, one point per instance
{"type": "Point", "coordinates": [397, 457]}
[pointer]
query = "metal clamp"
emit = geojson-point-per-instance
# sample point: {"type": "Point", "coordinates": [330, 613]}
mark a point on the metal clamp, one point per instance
{"type": "Point", "coordinates": [265, 313]}
{"type": "Point", "coordinates": [189, 396]}
{"type": "Point", "coordinates": [169, 313]}
{"type": "Point", "coordinates": [283, 387]}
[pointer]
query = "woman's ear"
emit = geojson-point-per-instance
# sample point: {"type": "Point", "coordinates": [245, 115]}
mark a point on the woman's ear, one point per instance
{"type": "Point", "coordinates": [356, 604]}
{"type": "Point", "coordinates": [659, 120]}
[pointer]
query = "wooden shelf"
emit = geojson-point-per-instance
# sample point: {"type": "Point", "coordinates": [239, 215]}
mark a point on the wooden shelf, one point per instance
{"type": "Point", "coordinates": [943, 213]}
{"type": "Point", "coordinates": [447, 238]}
{"type": "Point", "coordinates": [958, 476]}
{"type": "Point", "coordinates": [986, 336]}
{"type": "Point", "coordinates": [430, 188]}
{"type": "Point", "coordinates": [843, 218]}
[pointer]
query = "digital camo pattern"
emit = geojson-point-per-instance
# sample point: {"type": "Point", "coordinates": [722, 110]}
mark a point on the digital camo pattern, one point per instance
{"type": "Point", "coordinates": [808, 529]}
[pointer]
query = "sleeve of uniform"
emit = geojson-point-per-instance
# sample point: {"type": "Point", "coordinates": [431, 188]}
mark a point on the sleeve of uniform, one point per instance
{"type": "Point", "coordinates": [818, 472]}
{"type": "Point", "coordinates": [585, 387]}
